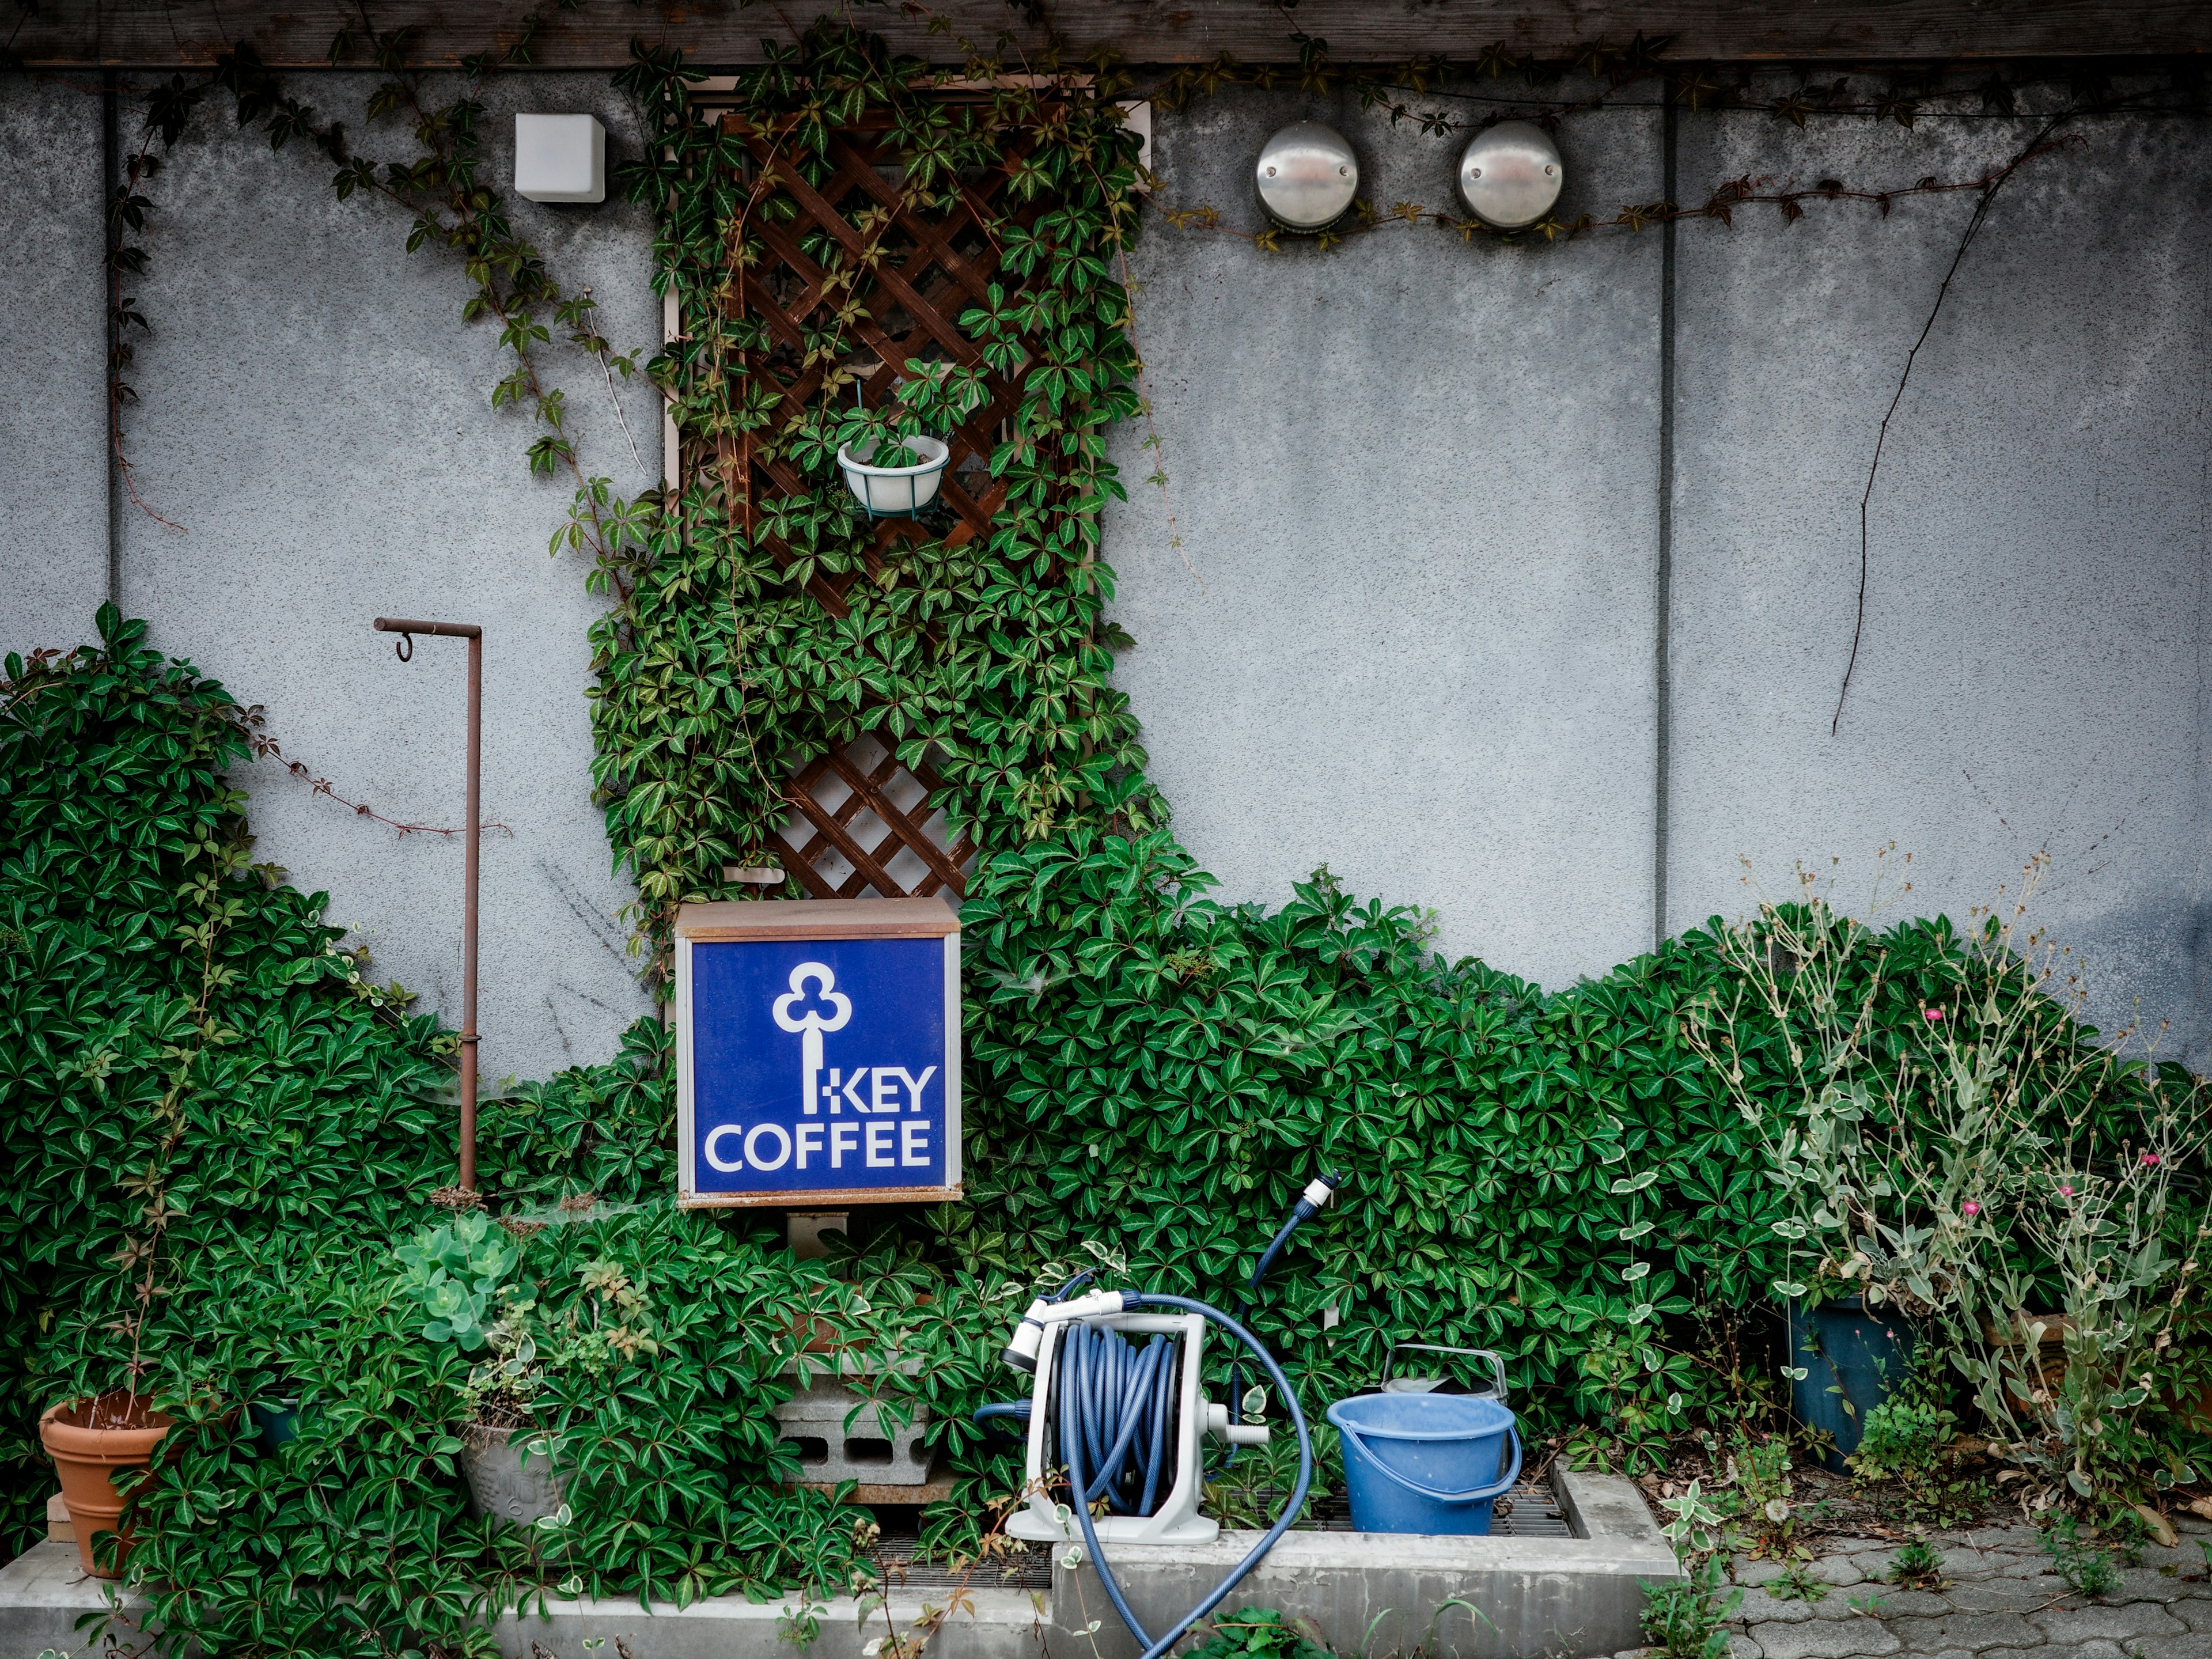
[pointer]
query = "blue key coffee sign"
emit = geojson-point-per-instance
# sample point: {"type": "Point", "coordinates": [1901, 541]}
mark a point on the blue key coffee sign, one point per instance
{"type": "Point", "coordinates": [818, 1051]}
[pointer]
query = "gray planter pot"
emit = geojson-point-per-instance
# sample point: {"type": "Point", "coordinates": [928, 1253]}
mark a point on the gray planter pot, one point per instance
{"type": "Point", "coordinates": [504, 1481]}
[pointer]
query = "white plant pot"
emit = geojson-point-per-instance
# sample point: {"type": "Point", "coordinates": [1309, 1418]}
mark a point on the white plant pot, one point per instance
{"type": "Point", "coordinates": [893, 491]}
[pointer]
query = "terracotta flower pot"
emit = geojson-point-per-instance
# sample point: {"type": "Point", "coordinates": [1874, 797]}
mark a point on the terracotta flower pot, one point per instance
{"type": "Point", "coordinates": [85, 1456]}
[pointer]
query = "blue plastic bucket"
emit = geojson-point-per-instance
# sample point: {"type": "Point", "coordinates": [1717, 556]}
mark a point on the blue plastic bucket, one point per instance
{"type": "Point", "coordinates": [1426, 1462]}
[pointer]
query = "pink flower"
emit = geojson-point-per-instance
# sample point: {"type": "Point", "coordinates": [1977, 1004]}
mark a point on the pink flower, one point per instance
{"type": "Point", "coordinates": [2150, 1160]}
{"type": "Point", "coordinates": [1931, 1015]}
{"type": "Point", "coordinates": [1972, 1208]}
{"type": "Point", "coordinates": [2065, 1189]}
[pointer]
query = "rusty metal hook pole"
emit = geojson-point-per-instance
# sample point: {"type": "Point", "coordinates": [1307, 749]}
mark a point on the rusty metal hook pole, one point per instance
{"type": "Point", "coordinates": [404, 647]}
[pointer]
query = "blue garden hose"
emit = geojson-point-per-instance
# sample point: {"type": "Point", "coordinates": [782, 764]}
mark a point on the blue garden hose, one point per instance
{"type": "Point", "coordinates": [1113, 1392]}
{"type": "Point", "coordinates": [1317, 1193]}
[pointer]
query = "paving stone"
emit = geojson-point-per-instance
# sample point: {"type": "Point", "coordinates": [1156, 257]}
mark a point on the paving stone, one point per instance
{"type": "Point", "coordinates": [2182, 1555]}
{"type": "Point", "coordinates": [2195, 1613]}
{"type": "Point", "coordinates": [2100, 1650]}
{"type": "Point", "coordinates": [1915, 1603]}
{"type": "Point", "coordinates": [1759, 1606]}
{"type": "Point", "coordinates": [2147, 1584]}
{"type": "Point", "coordinates": [1825, 1638]}
{"type": "Point", "coordinates": [2016, 1538]}
{"type": "Point", "coordinates": [1743, 1647]}
{"type": "Point", "coordinates": [2003, 1595]}
{"type": "Point", "coordinates": [1745, 1570]}
{"type": "Point", "coordinates": [2197, 1646]}
{"type": "Point", "coordinates": [2092, 1623]}
{"type": "Point", "coordinates": [1839, 1570]}
{"type": "Point", "coordinates": [1974, 1630]}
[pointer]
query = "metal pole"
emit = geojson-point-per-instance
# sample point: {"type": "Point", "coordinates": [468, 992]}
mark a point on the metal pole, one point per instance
{"type": "Point", "coordinates": [469, 916]}
{"type": "Point", "coordinates": [405, 649]}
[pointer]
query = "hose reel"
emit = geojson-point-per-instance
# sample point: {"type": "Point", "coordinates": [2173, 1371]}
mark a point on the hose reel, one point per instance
{"type": "Point", "coordinates": [1116, 1415]}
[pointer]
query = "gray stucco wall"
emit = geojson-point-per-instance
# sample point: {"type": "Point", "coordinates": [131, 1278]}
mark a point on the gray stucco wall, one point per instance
{"type": "Point", "coordinates": [2032, 675]}
{"type": "Point", "coordinates": [1415, 486]}
{"type": "Point", "coordinates": [53, 388]}
{"type": "Point", "coordinates": [1418, 488]}
{"type": "Point", "coordinates": [1420, 483]}
{"type": "Point", "coordinates": [317, 418]}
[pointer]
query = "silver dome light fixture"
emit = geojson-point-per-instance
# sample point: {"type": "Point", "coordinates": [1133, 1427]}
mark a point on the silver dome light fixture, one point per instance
{"type": "Point", "coordinates": [1510, 174]}
{"type": "Point", "coordinates": [1307, 176]}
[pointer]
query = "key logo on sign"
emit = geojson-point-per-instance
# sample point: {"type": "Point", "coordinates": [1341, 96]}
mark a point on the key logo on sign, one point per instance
{"type": "Point", "coordinates": [810, 1025]}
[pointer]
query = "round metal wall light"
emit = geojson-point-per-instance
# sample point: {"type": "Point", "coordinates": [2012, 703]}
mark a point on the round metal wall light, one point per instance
{"type": "Point", "coordinates": [1307, 177]}
{"type": "Point", "coordinates": [1510, 174]}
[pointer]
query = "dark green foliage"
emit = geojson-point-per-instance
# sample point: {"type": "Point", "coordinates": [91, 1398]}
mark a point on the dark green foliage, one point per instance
{"type": "Point", "coordinates": [718, 672]}
{"type": "Point", "coordinates": [1258, 1633]}
{"type": "Point", "coordinates": [211, 1116]}
{"type": "Point", "coordinates": [187, 1055]}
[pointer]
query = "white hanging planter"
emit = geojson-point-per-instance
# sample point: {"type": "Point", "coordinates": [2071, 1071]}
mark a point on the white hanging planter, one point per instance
{"type": "Point", "coordinates": [893, 491]}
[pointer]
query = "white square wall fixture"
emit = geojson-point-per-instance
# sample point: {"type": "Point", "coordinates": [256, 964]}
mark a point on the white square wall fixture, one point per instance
{"type": "Point", "coordinates": [560, 158]}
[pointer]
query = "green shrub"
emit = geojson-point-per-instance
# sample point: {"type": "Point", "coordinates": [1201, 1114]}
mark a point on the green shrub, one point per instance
{"type": "Point", "coordinates": [1686, 1620]}
{"type": "Point", "coordinates": [1918, 1565]}
{"type": "Point", "coordinates": [2085, 1564]}
{"type": "Point", "coordinates": [1904, 1438]}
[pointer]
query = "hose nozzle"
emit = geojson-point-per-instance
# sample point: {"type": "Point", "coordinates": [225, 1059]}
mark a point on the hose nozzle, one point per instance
{"type": "Point", "coordinates": [1022, 1348]}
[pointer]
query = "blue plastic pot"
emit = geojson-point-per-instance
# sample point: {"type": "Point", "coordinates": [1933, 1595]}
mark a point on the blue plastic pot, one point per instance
{"type": "Point", "coordinates": [1426, 1462]}
{"type": "Point", "coordinates": [1847, 1354]}
{"type": "Point", "coordinates": [278, 1422]}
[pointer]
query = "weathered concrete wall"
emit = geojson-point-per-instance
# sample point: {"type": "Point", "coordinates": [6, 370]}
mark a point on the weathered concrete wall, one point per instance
{"type": "Point", "coordinates": [317, 417]}
{"type": "Point", "coordinates": [2031, 677]}
{"type": "Point", "coordinates": [1420, 485]}
{"type": "Point", "coordinates": [53, 382]}
{"type": "Point", "coordinates": [1418, 488]}
{"type": "Point", "coordinates": [1415, 484]}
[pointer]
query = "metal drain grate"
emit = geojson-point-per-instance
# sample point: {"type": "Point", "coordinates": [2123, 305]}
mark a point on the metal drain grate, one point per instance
{"type": "Point", "coordinates": [1030, 1568]}
{"type": "Point", "coordinates": [1529, 1510]}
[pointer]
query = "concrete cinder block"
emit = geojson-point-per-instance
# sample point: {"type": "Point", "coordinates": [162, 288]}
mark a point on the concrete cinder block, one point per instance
{"type": "Point", "coordinates": [844, 1436]}
{"type": "Point", "coordinates": [993, 1624]}
{"type": "Point", "coordinates": [1371, 1593]}
{"type": "Point", "coordinates": [1380, 1594]}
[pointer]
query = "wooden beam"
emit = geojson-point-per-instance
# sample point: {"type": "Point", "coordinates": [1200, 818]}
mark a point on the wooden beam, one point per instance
{"type": "Point", "coordinates": [172, 34]}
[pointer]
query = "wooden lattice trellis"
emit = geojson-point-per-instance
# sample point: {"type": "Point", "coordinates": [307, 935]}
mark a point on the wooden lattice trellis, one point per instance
{"type": "Point", "coordinates": [863, 824]}
{"type": "Point", "coordinates": [862, 821]}
{"type": "Point", "coordinates": [921, 271]}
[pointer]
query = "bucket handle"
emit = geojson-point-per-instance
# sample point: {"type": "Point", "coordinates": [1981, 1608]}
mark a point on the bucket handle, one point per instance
{"type": "Point", "coordinates": [1497, 1364]}
{"type": "Point", "coordinates": [1497, 1488]}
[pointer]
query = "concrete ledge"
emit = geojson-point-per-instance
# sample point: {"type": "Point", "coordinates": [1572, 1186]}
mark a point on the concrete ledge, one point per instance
{"type": "Point", "coordinates": [43, 1593]}
{"type": "Point", "coordinates": [996, 1624]}
{"type": "Point", "coordinates": [1379, 1594]}
{"type": "Point", "coordinates": [1372, 1594]}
